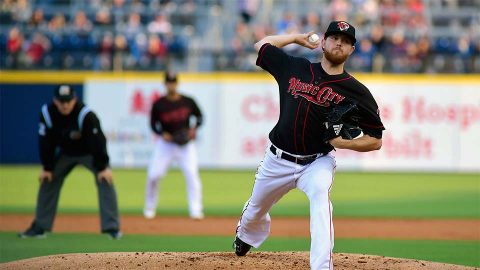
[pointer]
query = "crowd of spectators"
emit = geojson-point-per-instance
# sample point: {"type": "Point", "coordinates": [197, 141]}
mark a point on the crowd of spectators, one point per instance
{"type": "Point", "coordinates": [92, 34]}
{"type": "Point", "coordinates": [398, 36]}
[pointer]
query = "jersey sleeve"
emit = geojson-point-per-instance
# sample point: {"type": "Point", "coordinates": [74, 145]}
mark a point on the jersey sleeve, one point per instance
{"type": "Point", "coordinates": [196, 113]}
{"type": "Point", "coordinates": [370, 121]}
{"type": "Point", "coordinates": [46, 141]}
{"type": "Point", "coordinates": [155, 123]}
{"type": "Point", "coordinates": [273, 59]}
{"type": "Point", "coordinates": [96, 141]}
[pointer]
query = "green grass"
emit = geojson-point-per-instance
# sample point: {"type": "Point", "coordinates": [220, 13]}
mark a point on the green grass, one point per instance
{"type": "Point", "coordinates": [454, 252]}
{"type": "Point", "coordinates": [412, 195]}
{"type": "Point", "coordinates": [354, 194]}
{"type": "Point", "coordinates": [465, 252]}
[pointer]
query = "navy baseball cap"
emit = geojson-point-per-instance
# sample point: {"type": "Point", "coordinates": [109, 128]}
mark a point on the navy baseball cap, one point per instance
{"type": "Point", "coordinates": [341, 27]}
{"type": "Point", "coordinates": [64, 93]}
{"type": "Point", "coordinates": [170, 76]}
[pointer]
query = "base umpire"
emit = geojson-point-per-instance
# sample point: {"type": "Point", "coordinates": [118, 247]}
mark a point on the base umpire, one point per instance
{"type": "Point", "coordinates": [69, 135]}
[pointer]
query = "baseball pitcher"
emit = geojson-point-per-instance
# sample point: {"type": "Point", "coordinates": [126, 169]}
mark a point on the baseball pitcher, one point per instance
{"type": "Point", "coordinates": [322, 108]}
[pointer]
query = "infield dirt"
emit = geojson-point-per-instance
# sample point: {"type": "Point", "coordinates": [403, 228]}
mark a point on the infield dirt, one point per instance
{"type": "Point", "coordinates": [293, 227]}
{"type": "Point", "coordinates": [217, 260]}
{"type": "Point", "coordinates": [373, 228]}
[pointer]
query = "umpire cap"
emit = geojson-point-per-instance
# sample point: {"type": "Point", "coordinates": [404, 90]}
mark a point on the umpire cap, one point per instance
{"type": "Point", "coordinates": [341, 27]}
{"type": "Point", "coordinates": [64, 93]}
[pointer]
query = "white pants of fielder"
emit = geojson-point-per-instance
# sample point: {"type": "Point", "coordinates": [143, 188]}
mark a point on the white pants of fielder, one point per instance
{"type": "Point", "coordinates": [274, 178]}
{"type": "Point", "coordinates": [186, 157]}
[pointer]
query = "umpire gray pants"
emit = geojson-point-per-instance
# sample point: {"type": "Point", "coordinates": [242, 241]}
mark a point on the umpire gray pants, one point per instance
{"type": "Point", "coordinates": [49, 192]}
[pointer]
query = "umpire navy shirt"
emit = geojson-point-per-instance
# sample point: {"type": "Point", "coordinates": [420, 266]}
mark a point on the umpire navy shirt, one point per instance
{"type": "Point", "coordinates": [76, 134]}
{"type": "Point", "coordinates": [307, 93]}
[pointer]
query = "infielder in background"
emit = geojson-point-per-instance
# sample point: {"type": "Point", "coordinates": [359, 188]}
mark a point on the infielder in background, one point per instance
{"type": "Point", "coordinates": [69, 135]}
{"type": "Point", "coordinates": [175, 118]}
{"type": "Point", "coordinates": [301, 153]}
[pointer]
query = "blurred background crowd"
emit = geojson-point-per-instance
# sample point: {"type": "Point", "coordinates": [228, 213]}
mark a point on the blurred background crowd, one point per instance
{"type": "Point", "coordinates": [396, 36]}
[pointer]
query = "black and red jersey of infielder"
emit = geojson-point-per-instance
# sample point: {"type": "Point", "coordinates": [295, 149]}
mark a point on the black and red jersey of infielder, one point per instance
{"type": "Point", "coordinates": [169, 116]}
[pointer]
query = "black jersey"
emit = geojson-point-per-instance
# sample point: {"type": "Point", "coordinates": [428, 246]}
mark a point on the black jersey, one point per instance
{"type": "Point", "coordinates": [76, 134]}
{"type": "Point", "coordinates": [307, 92]}
{"type": "Point", "coordinates": [174, 115]}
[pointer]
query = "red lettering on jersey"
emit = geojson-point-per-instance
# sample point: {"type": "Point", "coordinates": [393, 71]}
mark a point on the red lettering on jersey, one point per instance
{"type": "Point", "coordinates": [332, 95]}
{"type": "Point", "coordinates": [313, 93]}
{"type": "Point", "coordinates": [339, 99]}
{"type": "Point", "coordinates": [326, 91]}
{"type": "Point", "coordinates": [292, 85]}
{"type": "Point", "coordinates": [178, 115]}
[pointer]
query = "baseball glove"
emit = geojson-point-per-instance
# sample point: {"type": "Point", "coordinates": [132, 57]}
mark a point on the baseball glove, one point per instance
{"type": "Point", "coordinates": [342, 121]}
{"type": "Point", "coordinates": [181, 137]}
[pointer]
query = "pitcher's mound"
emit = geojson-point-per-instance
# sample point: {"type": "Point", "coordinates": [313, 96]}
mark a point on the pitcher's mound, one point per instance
{"type": "Point", "coordinates": [218, 260]}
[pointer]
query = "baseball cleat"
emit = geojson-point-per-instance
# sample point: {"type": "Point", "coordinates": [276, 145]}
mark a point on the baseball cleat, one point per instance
{"type": "Point", "coordinates": [241, 248]}
{"type": "Point", "coordinates": [114, 234]}
{"type": "Point", "coordinates": [197, 216]}
{"type": "Point", "coordinates": [149, 214]}
{"type": "Point", "coordinates": [33, 232]}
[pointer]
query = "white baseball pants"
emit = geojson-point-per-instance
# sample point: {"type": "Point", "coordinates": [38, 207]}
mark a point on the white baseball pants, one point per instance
{"type": "Point", "coordinates": [274, 178]}
{"type": "Point", "coordinates": [186, 157]}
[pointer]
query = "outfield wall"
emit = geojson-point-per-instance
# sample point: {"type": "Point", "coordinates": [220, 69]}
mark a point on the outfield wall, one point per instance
{"type": "Point", "coordinates": [19, 114]}
{"type": "Point", "coordinates": [433, 122]}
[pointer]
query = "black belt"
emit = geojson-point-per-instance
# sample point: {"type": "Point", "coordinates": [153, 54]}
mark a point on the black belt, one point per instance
{"type": "Point", "coordinates": [299, 160]}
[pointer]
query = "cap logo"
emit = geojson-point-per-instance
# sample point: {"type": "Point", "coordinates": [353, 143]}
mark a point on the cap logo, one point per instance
{"type": "Point", "coordinates": [64, 90]}
{"type": "Point", "coordinates": [343, 26]}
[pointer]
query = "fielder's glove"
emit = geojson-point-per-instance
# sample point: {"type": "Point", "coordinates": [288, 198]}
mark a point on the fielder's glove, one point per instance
{"type": "Point", "coordinates": [181, 137]}
{"type": "Point", "coordinates": [342, 121]}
